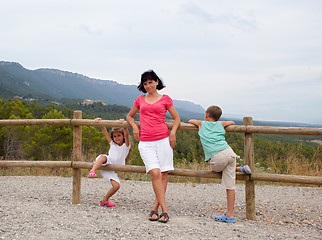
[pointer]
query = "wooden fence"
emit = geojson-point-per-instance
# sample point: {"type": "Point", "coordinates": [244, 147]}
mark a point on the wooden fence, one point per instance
{"type": "Point", "coordinates": [248, 129]}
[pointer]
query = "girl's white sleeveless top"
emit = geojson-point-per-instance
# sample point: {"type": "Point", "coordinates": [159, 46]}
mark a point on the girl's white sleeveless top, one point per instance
{"type": "Point", "coordinates": [117, 154]}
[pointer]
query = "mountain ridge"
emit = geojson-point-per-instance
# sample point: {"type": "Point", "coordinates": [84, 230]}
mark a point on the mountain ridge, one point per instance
{"type": "Point", "coordinates": [48, 82]}
{"type": "Point", "coordinates": [17, 80]}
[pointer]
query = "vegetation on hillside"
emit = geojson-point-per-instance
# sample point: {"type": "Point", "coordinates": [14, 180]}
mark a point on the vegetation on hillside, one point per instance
{"type": "Point", "coordinates": [55, 143]}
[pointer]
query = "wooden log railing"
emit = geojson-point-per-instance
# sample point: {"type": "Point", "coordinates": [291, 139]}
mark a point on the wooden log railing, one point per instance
{"type": "Point", "coordinates": [176, 172]}
{"type": "Point", "coordinates": [248, 129]}
{"type": "Point", "coordinates": [183, 126]}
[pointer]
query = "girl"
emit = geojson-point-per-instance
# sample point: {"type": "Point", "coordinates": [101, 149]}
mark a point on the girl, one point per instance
{"type": "Point", "coordinates": [156, 143]}
{"type": "Point", "coordinates": [119, 149]}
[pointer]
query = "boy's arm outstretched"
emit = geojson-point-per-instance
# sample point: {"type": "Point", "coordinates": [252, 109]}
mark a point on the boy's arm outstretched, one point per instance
{"type": "Point", "coordinates": [195, 122]}
{"type": "Point", "coordinates": [227, 123]}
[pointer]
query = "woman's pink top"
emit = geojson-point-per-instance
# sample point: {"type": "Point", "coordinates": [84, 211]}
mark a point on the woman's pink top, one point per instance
{"type": "Point", "coordinates": [153, 127]}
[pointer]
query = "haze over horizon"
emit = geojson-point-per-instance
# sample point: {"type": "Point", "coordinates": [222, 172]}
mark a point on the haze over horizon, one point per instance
{"type": "Point", "coordinates": [260, 59]}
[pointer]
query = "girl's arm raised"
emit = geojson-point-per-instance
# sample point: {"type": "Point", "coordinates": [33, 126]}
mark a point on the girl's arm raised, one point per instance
{"type": "Point", "coordinates": [126, 134]}
{"type": "Point", "coordinates": [106, 134]}
{"type": "Point", "coordinates": [130, 120]}
{"type": "Point", "coordinates": [126, 137]}
{"type": "Point", "coordinates": [176, 123]}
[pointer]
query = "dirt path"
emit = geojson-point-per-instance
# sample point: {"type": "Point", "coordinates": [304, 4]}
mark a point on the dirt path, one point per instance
{"type": "Point", "coordinates": [40, 208]}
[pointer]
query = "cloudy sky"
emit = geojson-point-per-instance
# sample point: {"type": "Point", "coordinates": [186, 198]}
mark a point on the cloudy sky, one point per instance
{"type": "Point", "coordinates": [253, 58]}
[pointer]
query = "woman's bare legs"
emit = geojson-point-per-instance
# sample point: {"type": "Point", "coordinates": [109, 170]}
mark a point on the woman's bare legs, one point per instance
{"type": "Point", "coordinates": [159, 183]}
{"type": "Point", "coordinates": [164, 176]}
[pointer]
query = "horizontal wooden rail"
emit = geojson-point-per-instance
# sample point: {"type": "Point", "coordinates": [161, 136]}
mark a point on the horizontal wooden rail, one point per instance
{"type": "Point", "coordinates": [183, 126]}
{"type": "Point", "coordinates": [176, 172]}
{"type": "Point", "coordinates": [287, 178]}
{"type": "Point", "coordinates": [115, 167]}
{"type": "Point", "coordinates": [111, 167]}
{"type": "Point", "coordinates": [191, 127]}
{"type": "Point", "coordinates": [284, 130]}
{"type": "Point", "coordinates": [40, 164]}
{"type": "Point", "coordinates": [40, 122]}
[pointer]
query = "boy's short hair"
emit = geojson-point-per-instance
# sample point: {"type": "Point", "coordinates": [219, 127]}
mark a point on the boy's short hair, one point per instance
{"type": "Point", "coordinates": [150, 75]}
{"type": "Point", "coordinates": [214, 112]}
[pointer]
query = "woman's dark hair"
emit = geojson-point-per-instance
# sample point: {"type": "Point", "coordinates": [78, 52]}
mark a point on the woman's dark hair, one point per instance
{"type": "Point", "coordinates": [150, 75]}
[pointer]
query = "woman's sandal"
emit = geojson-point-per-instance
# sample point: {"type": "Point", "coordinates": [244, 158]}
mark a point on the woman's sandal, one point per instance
{"type": "Point", "coordinates": [151, 215]}
{"type": "Point", "coordinates": [92, 174]}
{"type": "Point", "coordinates": [165, 217]}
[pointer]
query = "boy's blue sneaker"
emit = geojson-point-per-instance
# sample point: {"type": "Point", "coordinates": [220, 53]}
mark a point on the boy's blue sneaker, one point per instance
{"type": "Point", "coordinates": [223, 218]}
{"type": "Point", "coordinates": [246, 169]}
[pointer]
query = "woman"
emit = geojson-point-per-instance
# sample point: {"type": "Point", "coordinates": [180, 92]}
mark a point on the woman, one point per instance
{"type": "Point", "coordinates": [156, 143]}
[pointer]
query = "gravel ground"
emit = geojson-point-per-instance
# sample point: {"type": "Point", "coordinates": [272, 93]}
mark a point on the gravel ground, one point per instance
{"type": "Point", "coordinates": [40, 208]}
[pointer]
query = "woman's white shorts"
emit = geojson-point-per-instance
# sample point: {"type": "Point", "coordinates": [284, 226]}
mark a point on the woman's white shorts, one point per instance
{"type": "Point", "coordinates": [157, 154]}
{"type": "Point", "coordinates": [108, 175]}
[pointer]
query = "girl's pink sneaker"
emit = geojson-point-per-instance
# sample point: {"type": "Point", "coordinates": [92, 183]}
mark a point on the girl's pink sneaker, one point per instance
{"type": "Point", "coordinates": [107, 204]}
{"type": "Point", "coordinates": [92, 174]}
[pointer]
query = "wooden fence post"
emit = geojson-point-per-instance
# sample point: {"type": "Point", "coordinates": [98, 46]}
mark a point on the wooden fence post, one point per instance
{"type": "Point", "coordinates": [249, 160]}
{"type": "Point", "coordinates": [77, 156]}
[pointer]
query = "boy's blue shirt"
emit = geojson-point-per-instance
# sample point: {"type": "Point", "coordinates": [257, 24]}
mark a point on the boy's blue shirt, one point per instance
{"type": "Point", "coordinates": [212, 137]}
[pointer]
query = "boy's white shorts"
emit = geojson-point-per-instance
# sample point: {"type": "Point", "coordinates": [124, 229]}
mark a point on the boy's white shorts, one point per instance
{"type": "Point", "coordinates": [157, 154]}
{"type": "Point", "coordinates": [108, 175]}
{"type": "Point", "coordinates": [225, 162]}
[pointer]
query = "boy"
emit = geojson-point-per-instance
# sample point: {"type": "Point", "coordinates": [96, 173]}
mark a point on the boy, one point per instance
{"type": "Point", "coordinates": [220, 156]}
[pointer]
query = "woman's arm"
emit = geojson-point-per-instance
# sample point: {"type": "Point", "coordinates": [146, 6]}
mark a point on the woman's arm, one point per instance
{"type": "Point", "coordinates": [106, 134]}
{"type": "Point", "coordinates": [130, 120]}
{"type": "Point", "coordinates": [175, 126]}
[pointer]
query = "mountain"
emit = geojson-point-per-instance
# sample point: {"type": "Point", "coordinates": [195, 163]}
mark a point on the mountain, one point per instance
{"type": "Point", "coordinates": [63, 84]}
{"type": "Point", "coordinates": [15, 80]}
{"type": "Point", "coordinates": [56, 86]}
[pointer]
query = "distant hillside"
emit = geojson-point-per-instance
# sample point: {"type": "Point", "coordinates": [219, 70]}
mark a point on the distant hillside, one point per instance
{"type": "Point", "coordinates": [66, 88]}
{"type": "Point", "coordinates": [63, 84]}
{"type": "Point", "coordinates": [15, 80]}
